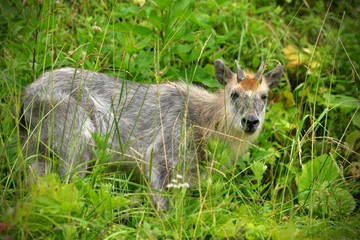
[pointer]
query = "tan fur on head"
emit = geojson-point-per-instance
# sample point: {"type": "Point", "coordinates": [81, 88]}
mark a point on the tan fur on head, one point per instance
{"type": "Point", "coordinates": [249, 84]}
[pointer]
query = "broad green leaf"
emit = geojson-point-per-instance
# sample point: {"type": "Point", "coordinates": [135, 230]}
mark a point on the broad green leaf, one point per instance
{"type": "Point", "coordinates": [319, 170]}
{"type": "Point", "coordinates": [320, 188]}
{"type": "Point", "coordinates": [339, 100]}
{"type": "Point", "coordinates": [184, 48]}
{"type": "Point", "coordinates": [142, 30]}
{"type": "Point", "coordinates": [122, 27]}
{"type": "Point", "coordinates": [353, 140]}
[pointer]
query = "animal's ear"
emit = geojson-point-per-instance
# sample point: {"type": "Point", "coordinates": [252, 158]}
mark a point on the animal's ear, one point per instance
{"type": "Point", "coordinates": [223, 74]}
{"type": "Point", "coordinates": [273, 77]}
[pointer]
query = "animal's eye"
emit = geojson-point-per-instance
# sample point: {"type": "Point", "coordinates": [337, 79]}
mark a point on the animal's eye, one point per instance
{"type": "Point", "coordinates": [264, 97]}
{"type": "Point", "coordinates": [234, 95]}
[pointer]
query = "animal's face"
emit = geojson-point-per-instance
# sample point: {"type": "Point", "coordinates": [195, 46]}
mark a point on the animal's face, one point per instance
{"type": "Point", "coordinates": [246, 95]}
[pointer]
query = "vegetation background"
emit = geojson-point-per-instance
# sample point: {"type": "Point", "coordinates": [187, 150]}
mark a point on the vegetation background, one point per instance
{"type": "Point", "coordinates": [301, 181]}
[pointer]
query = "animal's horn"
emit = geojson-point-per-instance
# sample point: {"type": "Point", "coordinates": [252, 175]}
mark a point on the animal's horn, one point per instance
{"type": "Point", "coordinates": [240, 73]}
{"type": "Point", "coordinates": [259, 72]}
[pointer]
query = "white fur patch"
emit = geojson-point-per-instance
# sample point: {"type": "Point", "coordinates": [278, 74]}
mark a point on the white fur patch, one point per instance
{"type": "Point", "coordinates": [88, 129]}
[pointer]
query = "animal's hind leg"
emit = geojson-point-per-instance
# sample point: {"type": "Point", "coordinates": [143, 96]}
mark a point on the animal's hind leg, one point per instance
{"type": "Point", "coordinates": [74, 129]}
{"type": "Point", "coordinates": [36, 153]}
{"type": "Point", "coordinates": [76, 150]}
{"type": "Point", "coordinates": [34, 136]}
{"type": "Point", "coordinates": [60, 126]}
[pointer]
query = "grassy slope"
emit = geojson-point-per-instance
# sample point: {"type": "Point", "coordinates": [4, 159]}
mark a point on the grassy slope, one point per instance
{"type": "Point", "coordinates": [301, 181]}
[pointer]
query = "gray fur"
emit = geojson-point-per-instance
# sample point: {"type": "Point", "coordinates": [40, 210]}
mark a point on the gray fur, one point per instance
{"type": "Point", "coordinates": [155, 128]}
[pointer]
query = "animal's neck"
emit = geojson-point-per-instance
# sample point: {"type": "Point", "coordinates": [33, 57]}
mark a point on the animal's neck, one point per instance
{"type": "Point", "coordinates": [207, 109]}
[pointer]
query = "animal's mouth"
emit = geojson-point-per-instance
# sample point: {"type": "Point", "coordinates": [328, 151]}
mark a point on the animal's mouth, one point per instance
{"type": "Point", "coordinates": [249, 130]}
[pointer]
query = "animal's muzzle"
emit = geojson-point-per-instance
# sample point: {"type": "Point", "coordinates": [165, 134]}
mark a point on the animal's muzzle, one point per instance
{"type": "Point", "coordinates": [250, 124]}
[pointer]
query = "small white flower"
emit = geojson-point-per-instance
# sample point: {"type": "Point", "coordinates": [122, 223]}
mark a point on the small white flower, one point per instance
{"type": "Point", "coordinates": [96, 28]}
{"type": "Point", "coordinates": [185, 184]}
{"type": "Point", "coordinates": [177, 183]}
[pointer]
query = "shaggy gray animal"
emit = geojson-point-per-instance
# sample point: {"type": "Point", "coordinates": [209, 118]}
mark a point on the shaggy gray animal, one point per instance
{"type": "Point", "coordinates": [156, 129]}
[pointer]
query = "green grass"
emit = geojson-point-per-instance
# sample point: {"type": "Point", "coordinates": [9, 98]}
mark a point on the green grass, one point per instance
{"type": "Point", "coordinates": [300, 181]}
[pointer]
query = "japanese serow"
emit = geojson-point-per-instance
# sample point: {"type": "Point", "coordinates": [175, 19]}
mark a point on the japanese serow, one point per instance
{"type": "Point", "coordinates": [158, 129]}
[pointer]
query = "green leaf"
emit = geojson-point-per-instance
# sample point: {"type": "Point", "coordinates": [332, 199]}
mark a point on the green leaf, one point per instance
{"type": "Point", "coordinates": [258, 168]}
{"type": "Point", "coordinates": [142, 30]}
{"type": "Point", "coordinates": [339, 100]}
{"type": "Point", "coordinates": [184, 48]}
{"type": "Point", "coordinates": [205, 76]}
{"type": "Point", "coordinates": [353, 140]}
{"type": "Point", "coordinates": [319, 170]}
{"type": "Point", "coordinates": [163, 4]}
{"type": "Point", "coordinates": [320, 188]}
{"type": "Point", "coordinates": [122, 27]}
{"type": "Point", "coordinates": [181, 6]}
{"type": "Point", "coordinates": [226, 230]}
{"type": "Point", "coordinates": [356, 119]}
{"type": "Point", "coordinates": [156, 20]}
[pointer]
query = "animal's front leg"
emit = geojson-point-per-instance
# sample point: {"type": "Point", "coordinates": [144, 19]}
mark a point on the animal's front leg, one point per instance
{"type": "Point", "coordinates": [159, 178]}
{"type": "Point", "coordinates": [163, 157]}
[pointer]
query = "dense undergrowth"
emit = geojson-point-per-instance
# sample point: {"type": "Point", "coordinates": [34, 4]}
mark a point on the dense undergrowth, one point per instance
{"type": "Point", "coordinates": [300, 181]}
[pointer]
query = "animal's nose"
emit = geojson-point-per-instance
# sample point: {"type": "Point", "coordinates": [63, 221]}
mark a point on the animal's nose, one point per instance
{"type": "Point", "coordinates": [250, 123]}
